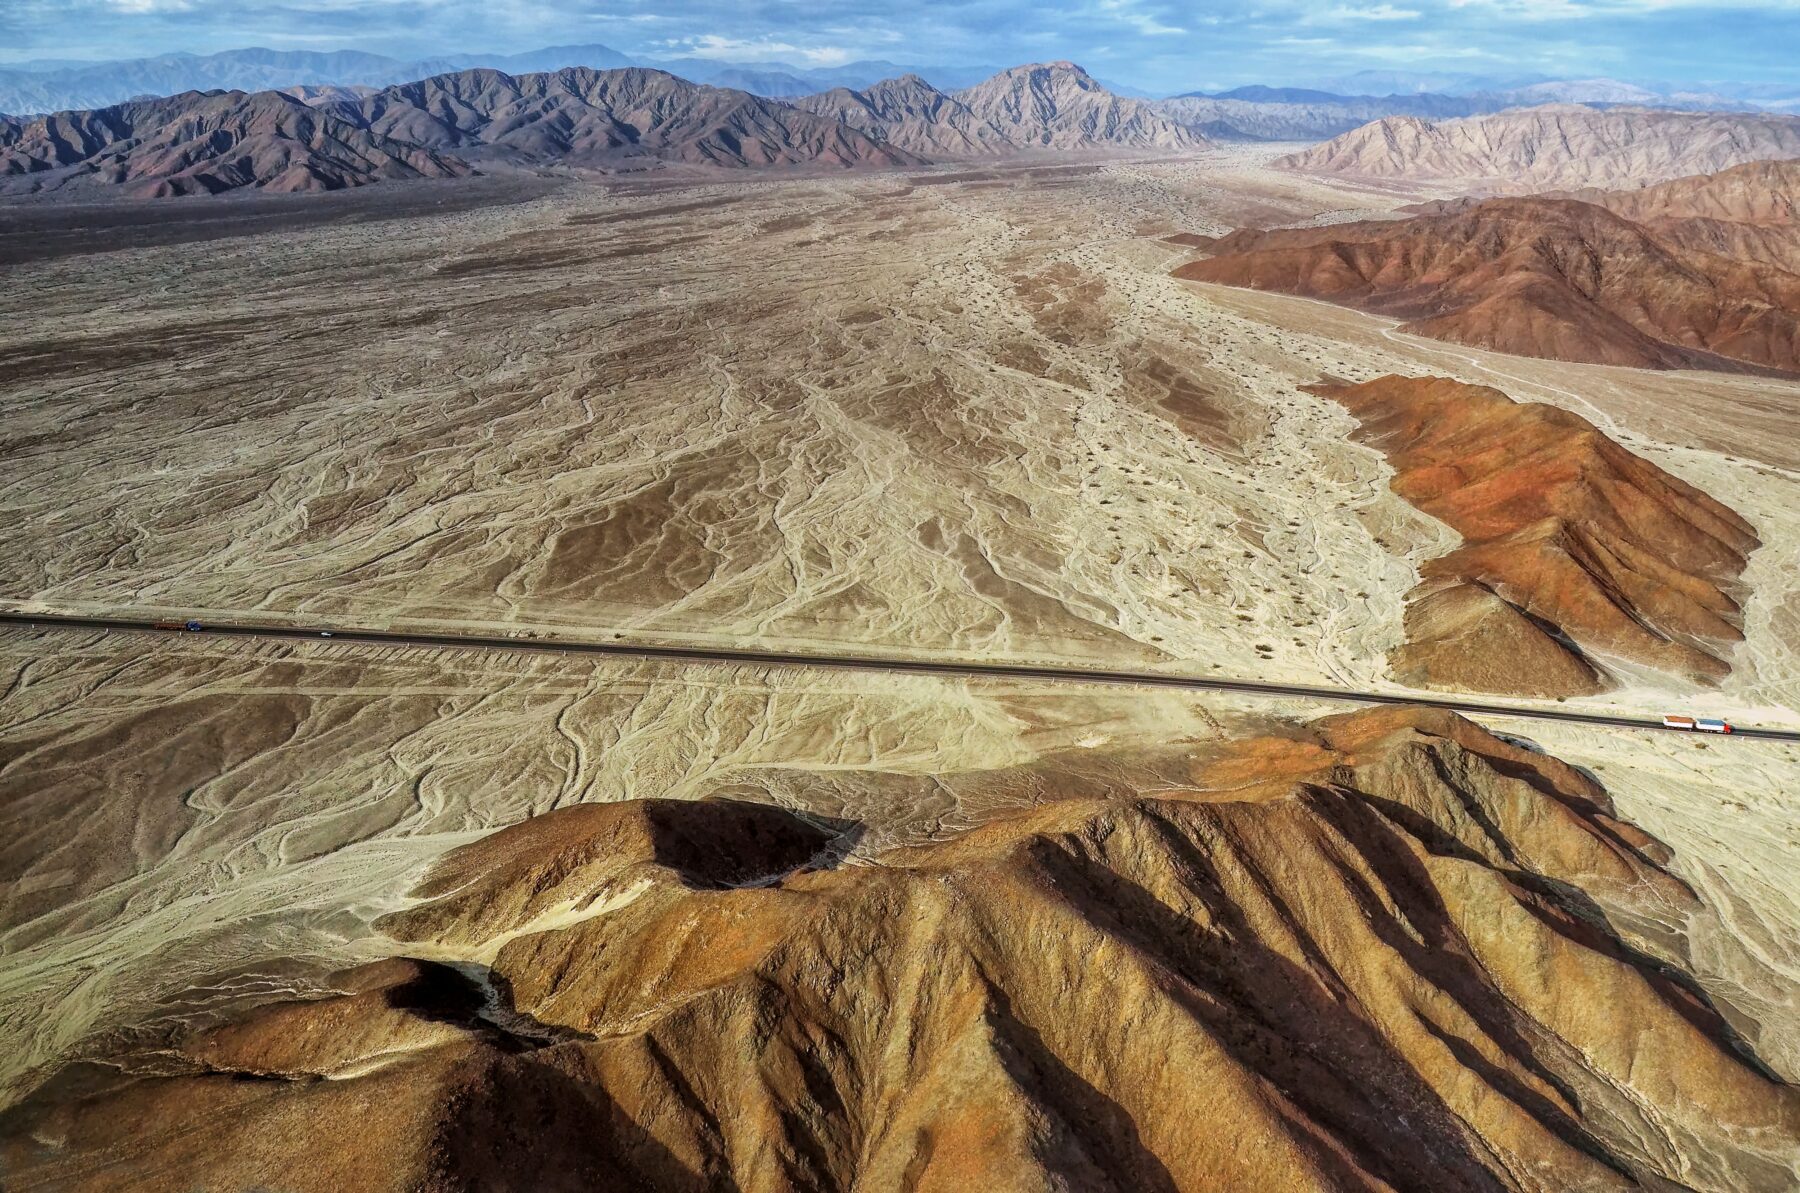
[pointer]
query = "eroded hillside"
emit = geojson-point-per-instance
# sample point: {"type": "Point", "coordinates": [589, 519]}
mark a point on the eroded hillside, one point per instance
{"type": "Point", "coordinates": [1543, 276]}
{"type": "Point", "coordinates": [1406, 951]}
{"type": "Point", "coordinates": [1573, 548]}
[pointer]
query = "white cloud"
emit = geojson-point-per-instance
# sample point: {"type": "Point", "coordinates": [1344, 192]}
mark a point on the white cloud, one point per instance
{"type": "Point", "coordinates": [1412, 54]}
{"type": "Point", "coordinates": [1547, 10]}
{"type": "Point", "coordinates": [1374, 12]}
{"type": "Point", "coordinates": [760, 49]}
{"type": "Point", "coordinates": [1532, 10]}
{"type": "Point", "coordinates": [1128, 12]}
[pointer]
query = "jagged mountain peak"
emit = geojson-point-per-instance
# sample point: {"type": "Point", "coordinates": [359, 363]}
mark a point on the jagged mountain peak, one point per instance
{"type": "Point", "coordinates": [1058, 105]}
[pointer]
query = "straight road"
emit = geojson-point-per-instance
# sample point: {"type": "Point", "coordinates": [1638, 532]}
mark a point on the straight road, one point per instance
{"type": "Point", "coordinates": [772, 658]}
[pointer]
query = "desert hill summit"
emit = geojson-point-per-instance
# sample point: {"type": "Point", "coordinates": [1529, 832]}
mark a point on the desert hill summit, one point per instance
{"type": "Point", "coordinates": [1559, 277]}
{"type": "Point", "coordinates": [205, 143]}
{"type": "Point", "coordinates": [1558, 146]}
{"type": "Point", "coordinates": [1386, 951]}
{"type": "Point", "coordinates": [1574, 549]}
{"type": "Point", "coordinates": [630, 118]}
{"type": "Point", "coordinates": [1057, 105]}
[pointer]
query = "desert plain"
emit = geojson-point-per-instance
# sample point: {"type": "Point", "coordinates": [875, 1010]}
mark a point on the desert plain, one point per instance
{"type": "Point", "coordinates": [956, 412]}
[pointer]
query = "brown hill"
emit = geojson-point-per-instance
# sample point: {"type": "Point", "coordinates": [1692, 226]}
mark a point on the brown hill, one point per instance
{"type": "Point", "coordinates": [1057, 105]}
{"type": "Point", "coordinates": [1749, 213]}
{"type": "Point", "coordinates": [1539, 276]}
{"type": "Point", "coordinates": [1388, 952]}
{"type": "Point", "coordinates": [606, 117]}
{"type": "Point", "coordinates": [1559, 146]}
{"type": "Point", "coordinates": [1572, 546]}
{"type": "Point", "coordinates": [911, 114]}
{"type": "Point", "coordinates": [199, 143]}
{"type": "Point", "coordinates": [1765, 192]}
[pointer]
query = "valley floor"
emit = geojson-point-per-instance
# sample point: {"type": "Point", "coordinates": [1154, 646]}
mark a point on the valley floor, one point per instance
{"type": "Point", "coordinates": [963, 412]}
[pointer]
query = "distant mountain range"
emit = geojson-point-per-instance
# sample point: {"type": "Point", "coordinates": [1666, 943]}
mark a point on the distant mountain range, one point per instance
{"type": "Point", "coordinates": [206, 143]}
{"type": "Point", "coordinates": [1299, 114]}
{"type": "Point", "coordinates": [1555, 147]}
{"type": "Point", "coordinates": [1529, 89]}
{"type": "Point", "coordinates": [1253, 112]}
{"type": "Point", "coordinates": [332, 137]}
{"type": "Point", "coordinates": [1259, 113]}
{"type": "Point", "coordinates": [56, 85]}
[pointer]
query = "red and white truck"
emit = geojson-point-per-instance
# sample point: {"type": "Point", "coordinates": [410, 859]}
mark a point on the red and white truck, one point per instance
{"type": "Point", "coordinates": [1697, 724]}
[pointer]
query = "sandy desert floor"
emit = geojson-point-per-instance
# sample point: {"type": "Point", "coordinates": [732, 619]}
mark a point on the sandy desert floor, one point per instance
{"type": "Point", "coordinates": [958, 413]}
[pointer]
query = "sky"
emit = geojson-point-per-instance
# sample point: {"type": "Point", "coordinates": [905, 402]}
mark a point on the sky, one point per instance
{"type": "Point", "coordinates": [1159, 45]}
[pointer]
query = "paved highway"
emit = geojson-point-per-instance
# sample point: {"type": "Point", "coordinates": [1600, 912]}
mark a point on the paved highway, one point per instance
{"type": "Point", "coordinates": [772, 658]}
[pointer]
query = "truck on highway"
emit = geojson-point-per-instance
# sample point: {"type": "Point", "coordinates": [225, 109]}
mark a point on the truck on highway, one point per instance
{"type": "Point", "coordinates": [1697, 724]}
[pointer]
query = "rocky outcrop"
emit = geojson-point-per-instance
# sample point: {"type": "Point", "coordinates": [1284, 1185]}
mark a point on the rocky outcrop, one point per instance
{"type": "Point", "coordinates": [1385, 951]}
{"type": "Point", "coordinates": [200, 143]}
{"type": "Point", "coordinates": [1559, 146]}
{"type": "Point", "coordinates": [1057, 105]}
{"type": "Point", "coordinates": [1550, 277]}
{"type": "Point", "coordinates": [1574, 550]}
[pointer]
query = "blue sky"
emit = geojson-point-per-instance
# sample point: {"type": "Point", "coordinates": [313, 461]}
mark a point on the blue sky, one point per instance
{"type": "Point", "coordinates": [1156, 44]}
